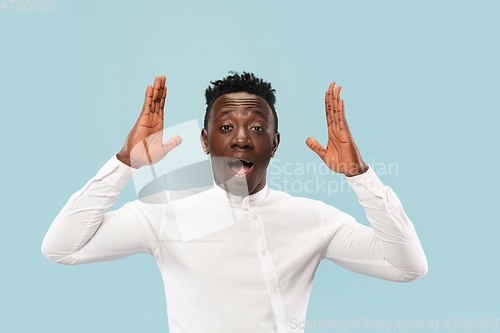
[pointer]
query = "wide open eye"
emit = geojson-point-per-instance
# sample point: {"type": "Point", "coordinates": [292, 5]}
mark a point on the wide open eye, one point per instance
{"type": "Point", "coordinates": [258, 128]}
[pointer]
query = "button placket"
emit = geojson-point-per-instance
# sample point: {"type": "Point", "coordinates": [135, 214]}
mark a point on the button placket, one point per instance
{"type": "Point", "coordinates": [245, 204]}
{"type": "Point", "coordinates": [268, 267]}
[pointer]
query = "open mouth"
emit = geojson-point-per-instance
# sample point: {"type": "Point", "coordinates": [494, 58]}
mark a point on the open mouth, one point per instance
{"type": "Point", "coordinates": [240, 168]}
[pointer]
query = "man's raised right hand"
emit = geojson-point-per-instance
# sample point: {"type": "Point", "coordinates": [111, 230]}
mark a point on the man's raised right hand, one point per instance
{"type": "Point", "coordinates": [144, 145]}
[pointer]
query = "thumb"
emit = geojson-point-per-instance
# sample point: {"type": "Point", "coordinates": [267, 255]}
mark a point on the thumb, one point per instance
{"type": "Point", "coordinates": [315, 146]}
{"type": "Point", "coordinates": [173, 142]}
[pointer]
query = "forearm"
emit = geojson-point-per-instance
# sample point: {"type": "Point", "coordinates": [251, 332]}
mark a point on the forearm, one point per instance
{"type": "Point", "coordinates": [393, 232]}
{"type": "Point", "coordinates": [84, 212]}
{"type": "Point", "coordinates": [389, 249]}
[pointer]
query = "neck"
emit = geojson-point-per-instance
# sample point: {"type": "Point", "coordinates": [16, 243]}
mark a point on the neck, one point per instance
{"type": "Point", "coordinates": [240, 190]}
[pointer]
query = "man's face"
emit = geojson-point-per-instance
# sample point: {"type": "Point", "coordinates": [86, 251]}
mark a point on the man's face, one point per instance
{"type": "Point", "coordinates": [241, 140]}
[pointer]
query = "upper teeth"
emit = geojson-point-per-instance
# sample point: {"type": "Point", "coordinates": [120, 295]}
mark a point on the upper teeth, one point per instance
{"type": "Point", "coordinates": [239, 160]}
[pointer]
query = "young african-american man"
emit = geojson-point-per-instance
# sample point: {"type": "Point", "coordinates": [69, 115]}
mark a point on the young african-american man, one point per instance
{"type": "Point", "coordinates": [237, 256]}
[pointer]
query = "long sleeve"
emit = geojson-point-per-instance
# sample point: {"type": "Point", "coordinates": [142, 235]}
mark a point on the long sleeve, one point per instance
{"type": "Point", "coordinates": [390, 249]}
{"type": "Point", "coordinates": [85, 232]}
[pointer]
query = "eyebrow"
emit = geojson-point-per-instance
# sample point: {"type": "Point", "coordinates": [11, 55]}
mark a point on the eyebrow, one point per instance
{"type": "Point", "coordinates": [257, 112]}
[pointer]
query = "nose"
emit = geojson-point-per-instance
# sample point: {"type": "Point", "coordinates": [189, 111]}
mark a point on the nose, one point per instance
{"type": "Point", "coordinates": [241, 139]}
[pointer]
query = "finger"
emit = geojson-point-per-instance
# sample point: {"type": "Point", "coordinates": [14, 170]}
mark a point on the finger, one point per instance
{"type": "Point", "coordinates": [146, 108]}
{"type": "Point", "coordinates": [336, 103]}
{"type": "Point", "coordinates": [173, 142]}
{"type": "Point", "coordinates": [333, 128]}
{"type": "Point", "coordinates": [336, 93]}
{"type": "Point", "coordinates": [344, 126]}
{"type": "Point", "coordinates": [156, 93]}
{"type": "Point", "coordinates": [163, 97]}
{"type": "Point", "coordinates": [160, 95]}
{"type": "Point", "coordinates": [334, 106]}
{"type": "Point", "coordinates": [316, 147]}
{"type": "Point", "coordinates": [328, 105]}
{"type": "Point", "coordinates": [162, 86]}
{"type": "Point", "coordinates": [341, 115]}
{"type": "Point", "coordinates": [162, 89]}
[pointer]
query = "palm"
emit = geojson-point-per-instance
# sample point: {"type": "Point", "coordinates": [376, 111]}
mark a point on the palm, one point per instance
{"type": "Point", "coordinates": [144, 144]}
{"type": "Point", "coordinates": [341, 154]}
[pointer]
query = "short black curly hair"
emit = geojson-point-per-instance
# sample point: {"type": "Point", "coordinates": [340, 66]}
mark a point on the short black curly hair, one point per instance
{"type": "Point", "coordinates": [247, 82]}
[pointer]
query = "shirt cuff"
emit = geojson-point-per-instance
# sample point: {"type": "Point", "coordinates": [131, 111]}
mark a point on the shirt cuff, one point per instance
{"type": "Point", "coordinates": [367, 185]}
{"type": "Point", "coordinates": [115, 173]}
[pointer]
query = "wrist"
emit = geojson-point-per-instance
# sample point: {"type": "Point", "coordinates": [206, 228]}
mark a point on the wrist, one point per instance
{"type": "Point", "coordinates": [359, 169]}
{"type": "Point", "coordinates": [125, 160]}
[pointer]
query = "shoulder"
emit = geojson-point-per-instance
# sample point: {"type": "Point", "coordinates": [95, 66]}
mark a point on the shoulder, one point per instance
{"type": "Point", "coordinates": [153, 206]}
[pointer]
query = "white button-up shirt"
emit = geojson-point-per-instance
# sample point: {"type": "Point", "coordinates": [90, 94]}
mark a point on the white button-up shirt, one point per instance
{"type": "Point", "coordinates": [236, 263]}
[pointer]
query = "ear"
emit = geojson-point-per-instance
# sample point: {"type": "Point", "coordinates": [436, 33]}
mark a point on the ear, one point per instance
{"type": "Point", "coordinates": [276, 142]}
{"type": "Point", "coordinates": [204, 141]}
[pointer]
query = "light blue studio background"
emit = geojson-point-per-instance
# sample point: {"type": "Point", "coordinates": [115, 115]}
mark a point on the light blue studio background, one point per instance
{"type": "Point", "coordinates": [420, 83]}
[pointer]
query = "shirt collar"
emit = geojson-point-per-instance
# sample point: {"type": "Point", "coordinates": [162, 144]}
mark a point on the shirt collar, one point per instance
{"type": "Point", "coordinates": [252, 199]}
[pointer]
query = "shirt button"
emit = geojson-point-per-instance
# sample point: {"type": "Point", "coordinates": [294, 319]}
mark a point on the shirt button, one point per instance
{"type": "Point", "coordinates": [255, 217]}
{"type": "Point", "coordinates": [275, 290]}
{"type": "Point", "coordinates": [390, 211]}
{"type": "Point", "coordinates": [370, 184]}
{"type": "Point", "coordinates": [263, 253]}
